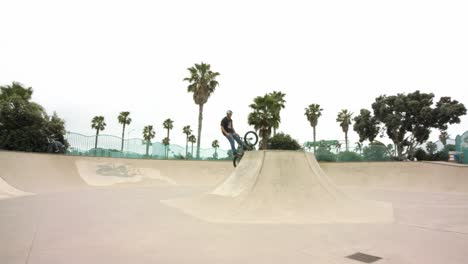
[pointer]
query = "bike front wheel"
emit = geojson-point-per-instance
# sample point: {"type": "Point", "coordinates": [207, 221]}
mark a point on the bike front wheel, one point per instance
{"type": "Point", "coordinates": [251, 138]}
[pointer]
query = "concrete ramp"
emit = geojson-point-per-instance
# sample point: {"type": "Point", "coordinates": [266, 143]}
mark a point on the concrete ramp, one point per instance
{"type": "Point", "coordinates": [44, 173]}
{"type": "Point", "coordinates": [281, 187]}
{"type": "Point", "coordinates": [244, 177]}
{"type": "Point", "coordinates": [108, 173]}
{"type": "Point", "coordinates": [39, 173]}
{"type": "Point", "coordinates": [407, 176]}
{"type": "Point", "coordinates": [8, 191]}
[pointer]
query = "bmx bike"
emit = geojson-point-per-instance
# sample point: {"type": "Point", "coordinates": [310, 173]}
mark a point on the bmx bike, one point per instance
{"type": "Point", "coordinates": [250, 139]}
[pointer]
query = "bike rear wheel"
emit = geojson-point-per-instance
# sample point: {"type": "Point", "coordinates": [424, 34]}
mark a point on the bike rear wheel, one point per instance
{"type": "Point", "coordinates": [236, 160]}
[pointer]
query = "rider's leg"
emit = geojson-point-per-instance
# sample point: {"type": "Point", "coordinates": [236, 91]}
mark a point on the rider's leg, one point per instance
{"type": "Point", "coordinates": [239, 141]}
{"type": "Point", "coordinates": [231, 141]}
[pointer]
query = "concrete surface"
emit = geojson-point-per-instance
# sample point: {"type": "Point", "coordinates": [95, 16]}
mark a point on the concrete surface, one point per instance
{"type": "Point", "coordinates": [88, 210]}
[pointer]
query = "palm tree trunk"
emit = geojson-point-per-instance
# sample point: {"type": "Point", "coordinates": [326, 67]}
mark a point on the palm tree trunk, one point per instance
{"type": "Point", "coordinates": [346, 140]}
{"type": "Point", "coordinates": [400, 151]}
{"type": "Point", "coordinates": [192, 150]}
{"type": "Point", "coordinates": [265, 144]}
{"type": "Point", "coordinates": [264, 141]}
{"type": "Point", "coordinates": [147, 147]}
{"type": "Point", "coordinates": [186, 147]}
{"type": "Point", "coordinates": [95, 142]}
{"type": "Point", "coordinates": [314, 139]}
{"type": "Point", "coordinates": [167, 154]}
{"type": "Point", "coordinates": [123, 135]}
{"type": "Point", "coordinates": [200, 119]}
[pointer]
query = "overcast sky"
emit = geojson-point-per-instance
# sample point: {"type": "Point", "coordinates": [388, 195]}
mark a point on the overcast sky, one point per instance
{"type": "Point", "coordinates": [87, 58]}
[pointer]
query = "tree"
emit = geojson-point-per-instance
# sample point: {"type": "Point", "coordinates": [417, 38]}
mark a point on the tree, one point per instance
{"type": "Point", "coordinates": [124, 120]}
{"type": "Point", "coordinates": [148, 135]}
{"type": "Point", "coordinates": [391, 151]}
{"type": "Point", "coordinates": [25, 125]}
{"type": "Point", "coordinates": [313, 112]}
{"type": "Point", "coordinates": [192, 139]}
{"type": "Point", "coordinates": [202, 84]}
{"type": "Point", "coordinates": [278, 97]}
{"type": "Point", "coordinates": [187, 131]}
{"type": "Point", "coordinates": [97, 123]}
{"type": "Point", "coordinates": [215, 145]}
{"type": "Point", "coordinates": [263, 117]}
{"type": "Point", "coordinates": [408, 119]}
{"type": "Point", "coordinates": [16, 89]}
{"type": "Point", "coordinates": [344, 118]}
{"type": "Point", "coordinates": [166, 142]}
{"type": "Point", "coordinates": [431, 148]}
{"type": "Point", "coordinates": [443, 137]}
{"type": "Point", "coordinates": [56, 129]}
{"type": "Point", "coordinates": [366, 126]}
{"type": "Point", "coordinates": [168, 124]}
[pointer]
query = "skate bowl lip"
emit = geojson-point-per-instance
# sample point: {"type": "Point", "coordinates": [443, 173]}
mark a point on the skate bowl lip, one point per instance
{"type": "Point", "coordinates": [373, 174]}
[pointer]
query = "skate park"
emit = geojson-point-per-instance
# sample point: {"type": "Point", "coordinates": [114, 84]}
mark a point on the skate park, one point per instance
{"type": "Point", "coordinates": [124, 132]}
{"type": "Point", "coordinates": [64, 209]}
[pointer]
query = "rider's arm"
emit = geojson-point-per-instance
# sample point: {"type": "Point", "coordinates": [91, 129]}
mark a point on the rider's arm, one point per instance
{"type": "Point", "coordinates": [233, 130]}
{"type": "Point", "coordinates": [224, 130]}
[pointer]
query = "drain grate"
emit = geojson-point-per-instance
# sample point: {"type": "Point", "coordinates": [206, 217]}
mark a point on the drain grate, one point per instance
{"type": "Point", "coordinates": [363, 257]}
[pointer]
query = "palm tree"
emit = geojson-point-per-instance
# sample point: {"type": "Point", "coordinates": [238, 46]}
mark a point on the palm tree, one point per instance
{"type": "Point", "coordinates": [358, 147]}
{"type": "Point", "coordinates": [263, 117]}
{"type": "Point", "coordinates": [166, 141]}
{"type": "Point", "coordinates": [202, 84]}
{"type": "Point", "coordinates": [192, 139]}
{"type": "Point", "coordinates": [344, 118]}
{"type": "Point", "coordinates": [97, 123]}
{"type": "Point", "coordinates": [443, 137]}
{"type": "Point", "coordinates": [279, 104]}
{"type": "Point", "coordinates": [187, 131]}
{"type": "Point", "coordinates": [313, 112]}
{"type": "Point", "coordinates": [215, 145]}
{"type": "Point", "coordinates": [338, 147]}
{"type": "Point", "coordinates": [124, 120]}
{"type": "Point", "coordinates": [148, 134]}
{"type": "Point", "coordinates": [168, 124]}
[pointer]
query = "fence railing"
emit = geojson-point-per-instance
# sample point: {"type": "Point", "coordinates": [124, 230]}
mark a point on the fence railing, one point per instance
{"type": "Point", "coordinates": [111, 146]}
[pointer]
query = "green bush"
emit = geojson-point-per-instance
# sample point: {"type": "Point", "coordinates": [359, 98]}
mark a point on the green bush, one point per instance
{"type": "Point", "coordinates": [375, 152]}
{"type": "Point", "coordinates": [284, 142]}
{"type": "Point", "coordinates": [324, 154]}
{"type": "Point", "coordinates": [420, 154]}
{"type": "Point", "coordinates": [441, 156]}
{"type": "Point", "coordinates": [449, 147]}
{"type": "Point", "coordinates": [349, 156]}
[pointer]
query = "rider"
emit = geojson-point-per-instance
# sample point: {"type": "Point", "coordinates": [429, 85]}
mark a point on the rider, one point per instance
{"type": "Point", "coordinates": [228, 131]}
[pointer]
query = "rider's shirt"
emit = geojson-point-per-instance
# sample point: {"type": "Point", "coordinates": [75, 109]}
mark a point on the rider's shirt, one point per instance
{"type": "Point", "coordinates": [226, 123]}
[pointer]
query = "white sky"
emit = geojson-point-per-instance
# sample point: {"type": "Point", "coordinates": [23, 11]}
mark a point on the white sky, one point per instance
{"type": "Point", "coordinates": [88, 58]}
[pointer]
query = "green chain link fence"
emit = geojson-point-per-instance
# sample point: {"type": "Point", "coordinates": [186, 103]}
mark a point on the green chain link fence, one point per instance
{"type": "Point", "coordinates": [326, 150]}
{"type": "Point", "coordinates": [111, 146]}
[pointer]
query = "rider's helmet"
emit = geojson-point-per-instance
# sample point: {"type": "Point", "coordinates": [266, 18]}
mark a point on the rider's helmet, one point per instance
{"type": "Point", "coordinates": [229, 112]}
